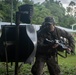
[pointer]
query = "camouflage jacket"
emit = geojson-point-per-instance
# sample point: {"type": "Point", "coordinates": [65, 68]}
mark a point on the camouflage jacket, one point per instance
{"type": "Point", "coordinates": [44, 33]}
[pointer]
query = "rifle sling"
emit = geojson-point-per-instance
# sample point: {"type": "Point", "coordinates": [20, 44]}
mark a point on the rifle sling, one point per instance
{"type": "Point", "coordinates": [57, 51]}
{"type": "Point", "coordinates": [62, 55]}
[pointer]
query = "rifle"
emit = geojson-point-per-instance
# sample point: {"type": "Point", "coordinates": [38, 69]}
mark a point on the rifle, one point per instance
{"type": "Point", "coordinates": [61, 44]}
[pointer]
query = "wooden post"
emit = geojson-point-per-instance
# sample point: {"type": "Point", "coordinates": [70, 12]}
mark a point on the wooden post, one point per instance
{"type": "Point", "coordinates": [17, 42]}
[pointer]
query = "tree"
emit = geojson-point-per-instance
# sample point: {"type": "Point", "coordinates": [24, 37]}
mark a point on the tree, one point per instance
{"type": "Point", "coordinates": [40, 12]}
{"type": "Point", "coordinates": [28, 1]}
{"type": "Point", "coordinates": [67, 21]}
{"type": "Point", "coordinates": [72, 4]}
{"type": "Point", "coordinates": [69, 9]}
{"type": "Point", "coordinates": [5, 9]}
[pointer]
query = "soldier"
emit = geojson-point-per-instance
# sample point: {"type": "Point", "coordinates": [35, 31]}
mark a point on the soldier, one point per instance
{"type": "Point", "coordinates": [47, 53]}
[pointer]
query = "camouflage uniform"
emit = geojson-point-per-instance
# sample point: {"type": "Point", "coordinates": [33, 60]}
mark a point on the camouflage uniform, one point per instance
{"type": "Point", "coordinates": [46, 54]}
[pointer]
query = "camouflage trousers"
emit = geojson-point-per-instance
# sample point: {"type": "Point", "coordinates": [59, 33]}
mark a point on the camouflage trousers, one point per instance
{"type": "Point", "coordinates": [37, 68]}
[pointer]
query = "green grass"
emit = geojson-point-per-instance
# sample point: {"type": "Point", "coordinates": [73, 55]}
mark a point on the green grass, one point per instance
{"type": "Point", "coordinates": [67, 65]}
{"type": "Point", "coordinates": [69, 61]}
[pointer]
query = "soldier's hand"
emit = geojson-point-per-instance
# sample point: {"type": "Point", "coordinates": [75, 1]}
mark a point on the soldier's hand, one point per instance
{"type": "Point", "coordinates": [55, 45]}
{"type": "Point", "coordinates": [69, 50]}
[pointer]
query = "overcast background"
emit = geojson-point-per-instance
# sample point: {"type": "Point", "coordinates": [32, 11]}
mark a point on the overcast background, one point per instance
{"type": "Point", "coordinates": [64, 2]}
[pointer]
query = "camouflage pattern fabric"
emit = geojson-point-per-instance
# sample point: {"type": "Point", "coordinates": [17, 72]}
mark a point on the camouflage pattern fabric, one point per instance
{"type": "Point", "coordinates": [46, 54]}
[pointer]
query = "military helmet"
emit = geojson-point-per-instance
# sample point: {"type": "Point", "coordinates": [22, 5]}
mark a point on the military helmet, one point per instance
{"type": "Point", "coordinates": [49, 20]}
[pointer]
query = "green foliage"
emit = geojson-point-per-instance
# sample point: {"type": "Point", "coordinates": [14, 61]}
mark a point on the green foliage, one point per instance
{"type": "Point", "coordinates": [40, 12]}
{"type": "Point", "coordinates": [5, 9]}
{"type": "Point", "coordinates": [67, 21]}
{"type": "Point", "coordinates": [72, 3]}
{"type": "Point", "coordinates": [28, 1]}
{"type": "Point", "coordinates": [57, 10]}
{"type": "Point", "coordinates": [47, 8]}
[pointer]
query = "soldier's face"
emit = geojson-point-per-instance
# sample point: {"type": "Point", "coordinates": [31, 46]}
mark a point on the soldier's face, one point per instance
{"type": "Point", "coordinates": [52, 27]}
